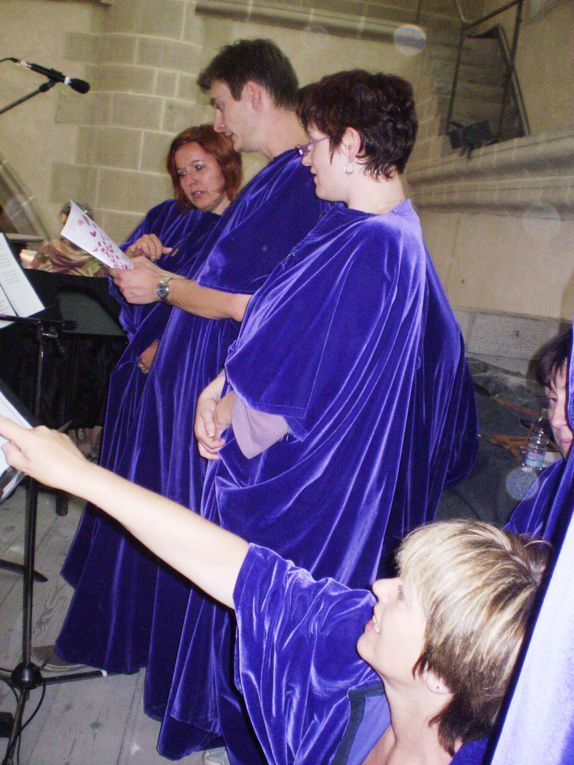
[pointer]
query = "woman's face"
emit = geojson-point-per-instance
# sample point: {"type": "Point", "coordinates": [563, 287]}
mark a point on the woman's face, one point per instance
{"type": "Point", "coordinates": [557, 396]}
{"type": "Point", "coordinates": [394, 638]}
{"type": "Point", "coordinates": [331, 182]}
{"type": "Point", "coordinates": [201, 179]}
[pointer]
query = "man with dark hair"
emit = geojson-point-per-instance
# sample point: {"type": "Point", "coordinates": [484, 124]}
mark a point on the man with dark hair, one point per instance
{"type": "Point", "coordinates": [534, 514]}
{"type": "Point", "coordinates": [258, 61]}
{"type": "Point", "coordinates": [128, 608]}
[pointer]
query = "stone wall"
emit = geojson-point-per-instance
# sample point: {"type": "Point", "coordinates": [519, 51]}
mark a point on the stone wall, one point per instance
{"type": "Point", "coordinates": [142, 58]}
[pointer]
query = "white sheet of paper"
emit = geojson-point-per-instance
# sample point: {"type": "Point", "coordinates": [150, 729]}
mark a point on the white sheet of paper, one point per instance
{"type": "Point", "coordinates": [17, 296]}
{"type": "Point", "coordinates": [10, 411]}
{"type": "Point", "coordinates": [83, 232]}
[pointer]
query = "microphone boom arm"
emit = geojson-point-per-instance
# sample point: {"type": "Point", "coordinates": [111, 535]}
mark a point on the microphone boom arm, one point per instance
{"type": "Point", "coordinates": [41, 89]}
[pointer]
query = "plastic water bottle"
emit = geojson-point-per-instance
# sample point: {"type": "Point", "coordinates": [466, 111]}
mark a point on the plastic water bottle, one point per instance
{"type": "Point", "coordinates": [536, 447]}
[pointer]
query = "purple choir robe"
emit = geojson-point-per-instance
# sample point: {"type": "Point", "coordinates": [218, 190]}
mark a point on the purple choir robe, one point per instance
{"type": "Point", "coordinates": [137, 603]}
{"type": "Point", "coordinates": [142, 324]}
{"type": "Point", "coordinates": [309, 695]}
{"type": "Point", "coordinates": [352, 340]}
{"type": "Point", "coordinates": [539, 723]}
{"type": "Point", "coordinates": [536, 513]}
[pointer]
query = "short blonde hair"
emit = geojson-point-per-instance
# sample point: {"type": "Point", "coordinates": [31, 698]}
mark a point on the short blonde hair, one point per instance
{"type": "Point", "coordinates": [477, 586]}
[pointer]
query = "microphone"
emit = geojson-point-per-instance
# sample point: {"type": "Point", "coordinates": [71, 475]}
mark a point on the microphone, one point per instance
{"type": "Point", "coordinates": [80, 86]}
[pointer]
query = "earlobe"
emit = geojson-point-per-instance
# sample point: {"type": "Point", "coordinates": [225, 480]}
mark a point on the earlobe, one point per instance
{"type": "Point", "coordinates": [435, 684]}
{"type": "Point", "coordinates": [252, 91]}
{"type": "Point", "coordinates": [351, 143]}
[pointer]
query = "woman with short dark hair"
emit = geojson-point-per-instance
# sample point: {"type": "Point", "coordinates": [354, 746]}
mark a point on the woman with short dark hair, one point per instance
{"type": "Point", "coordinates": [535, 514]}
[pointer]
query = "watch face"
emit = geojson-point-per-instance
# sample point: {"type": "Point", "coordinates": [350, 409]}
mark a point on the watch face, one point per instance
{"type": "Point", "coordinates": [162, 290]}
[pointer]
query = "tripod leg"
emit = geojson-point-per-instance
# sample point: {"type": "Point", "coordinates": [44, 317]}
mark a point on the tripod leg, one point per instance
{"type": "Point", "coordinates": [18, 568]}
{"type": "Point", "coordinates": [16, 729]}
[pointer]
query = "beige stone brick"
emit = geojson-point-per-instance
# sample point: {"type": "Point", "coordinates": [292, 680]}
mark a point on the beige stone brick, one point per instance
{"type": "Point", "coordinates": [109, 146]}
{"type": "Point", "coordinates": [165, 84]}
{"type": "Point", "coordinates": [118, 49]}
{"type": "Point", "coordinates": [200, 29]}
{"type": "Point", "coordinates": [128, 191]}
{"type": "Point", "coordinates": [163, 18]}
{"type": "Point", "coordinates": [89, 109]}
{"type": "Point", "coordinates": [154, 151]}
{"type": "Point", "coordinates": [82, 46]}
{"type": "Point", "coordinates": [117, 224]}
{"type": "Point", "coordinates": [73, 181]}
{"type": "Point", "coordinates": [124, 16]}
{"type": "Point", "coordinates": [187, 88]}
{"type": "Point", "coordinates": [136, 111]}
{"type": "Point", "coordinates": [179, 115]}
{"type": "Point", "coordinates": [124, 78]}
{"type": "Point", "coordinates": [168, 55]}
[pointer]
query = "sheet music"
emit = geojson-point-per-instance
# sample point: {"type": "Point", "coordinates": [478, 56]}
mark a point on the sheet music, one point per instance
{"type": "Point", "coordinates": [9, 478]}
{"type": "Point", "coordinates": [83, 232]}
{"type": "Point", "coordinates": [17, 296]}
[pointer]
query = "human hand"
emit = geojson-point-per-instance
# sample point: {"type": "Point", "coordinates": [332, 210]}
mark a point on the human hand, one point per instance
{"type": "Point", "coordinates": [148, 245]}
{"type": "Point", "coordinates": [138, 285]}
{"type": "Point", "coordinates": [146, 358]}
{"type": "Point", "coordinates": [210, 418]}
{"type": "Point", "coordinates": [46, 455]}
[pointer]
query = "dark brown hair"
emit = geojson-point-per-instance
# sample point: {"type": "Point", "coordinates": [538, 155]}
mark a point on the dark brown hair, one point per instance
{"type": "Point", "coordinates": [380, 107]}
{"type": "Point", "coordinates": [552, 358]}
{"type": "Point", "coordinates": [216, 144]}
{"type": "Point", "coordinates": [258, 61]}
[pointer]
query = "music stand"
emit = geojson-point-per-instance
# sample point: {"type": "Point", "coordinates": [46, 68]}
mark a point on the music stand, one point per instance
{"type": "Point", "coordinates": [26, 676]}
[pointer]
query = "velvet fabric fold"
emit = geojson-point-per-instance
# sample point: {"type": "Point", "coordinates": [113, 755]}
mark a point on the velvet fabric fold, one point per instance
{"type": "Point", "coordinates": [538, 724]}
{"type": "Point", "coordinates": [137, 604]}
{"type": "Point", "coordinates": [91, 624]}
{"type": "Point", "coordinates": [352, 340]}
{"type": "Point", "coordinates": [310, 696]}
{"type": "Point", "coordinates": [536, 514]}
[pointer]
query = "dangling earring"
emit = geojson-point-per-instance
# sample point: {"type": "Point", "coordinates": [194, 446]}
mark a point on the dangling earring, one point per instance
{"type": "Point", "coordinates": [349, 168]}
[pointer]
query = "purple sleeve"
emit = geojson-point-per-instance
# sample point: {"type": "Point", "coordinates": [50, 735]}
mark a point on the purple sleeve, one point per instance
{"type": "Point", "coordinates": [296, 657]}
{"type": "Point", "coordinates": [256, 431]}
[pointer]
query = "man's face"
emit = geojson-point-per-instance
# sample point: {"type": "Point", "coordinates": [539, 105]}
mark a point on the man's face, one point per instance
{"type": "Point", "coordinates": [557, 396]}
{"type": "Point", "coordinates": [236, 119]}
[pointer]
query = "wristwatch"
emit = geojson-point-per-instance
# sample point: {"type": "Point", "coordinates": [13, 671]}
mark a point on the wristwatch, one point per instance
{"type": "Point", "coordinates": [162, 290]}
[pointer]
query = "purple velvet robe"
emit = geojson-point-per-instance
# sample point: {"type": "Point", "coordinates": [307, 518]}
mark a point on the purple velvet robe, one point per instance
{"type": "Point", "coordinates": [352, 340]}
{"type": "Point", "coordinates": [536, 514]}
{"type": "Point", "coordinates": [309, 695]}
{"type": "Point", "coordinates": [539, 722]}
{"type": "Point", "coordinates": [137, 603]}
{"type": "Point", "coordinates": [143, 324]}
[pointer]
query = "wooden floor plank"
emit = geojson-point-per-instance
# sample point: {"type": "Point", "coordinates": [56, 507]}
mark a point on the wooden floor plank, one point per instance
{"type": "Point", "coordinates": [91, 722]}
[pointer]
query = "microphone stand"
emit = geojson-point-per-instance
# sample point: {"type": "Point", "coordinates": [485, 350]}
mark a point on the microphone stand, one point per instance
{"type": "Point", "coordinates": [42, 89]}
{"type": "Point", "coordinates": [26, 676]}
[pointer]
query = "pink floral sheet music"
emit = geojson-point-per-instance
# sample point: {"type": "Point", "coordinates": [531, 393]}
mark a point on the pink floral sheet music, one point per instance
{"type": "Point", "coordinates": [84, 233]}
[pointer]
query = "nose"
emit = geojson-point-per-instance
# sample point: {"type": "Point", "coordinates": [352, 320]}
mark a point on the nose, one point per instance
{"type": "Point", "coordinates": [306, 159]}
{"type": "Point", "coordinates": [382, 587]}
{"type": "Point", "coordinates": [218, 124]}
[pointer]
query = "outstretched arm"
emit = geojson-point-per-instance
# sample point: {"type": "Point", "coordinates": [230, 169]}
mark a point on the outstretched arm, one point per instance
{"type": "Point", "coordinates": [138, 285]}
{"type": "Point", "coordinates": [204, 553]}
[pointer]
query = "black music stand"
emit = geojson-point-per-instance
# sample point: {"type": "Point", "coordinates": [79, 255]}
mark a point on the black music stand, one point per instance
{"type": "Point", "coordinates": [26, 676]}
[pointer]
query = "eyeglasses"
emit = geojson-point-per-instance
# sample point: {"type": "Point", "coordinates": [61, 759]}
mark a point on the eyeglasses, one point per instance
{"type": "Point", "coordinates": [305, 148]}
